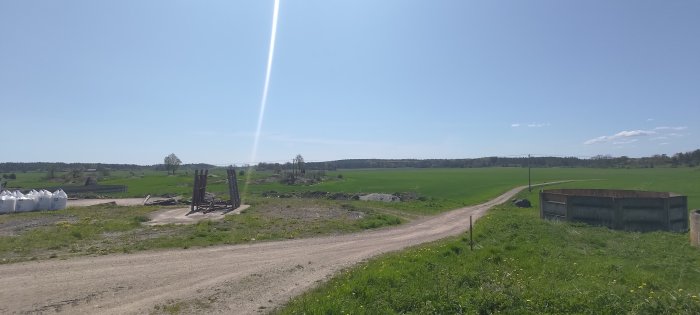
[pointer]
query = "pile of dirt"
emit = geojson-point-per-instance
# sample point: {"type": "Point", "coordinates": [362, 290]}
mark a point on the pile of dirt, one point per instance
{"type": "Point", "coordinates": [380, 197]}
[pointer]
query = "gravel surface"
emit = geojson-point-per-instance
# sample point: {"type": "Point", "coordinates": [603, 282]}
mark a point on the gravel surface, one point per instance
{"type": "Point", "coordinates": [179, 216]}
{"type": "Point", "coordinates": [119, 202]}
{"type": "Point", "coordinates": [241, 279]}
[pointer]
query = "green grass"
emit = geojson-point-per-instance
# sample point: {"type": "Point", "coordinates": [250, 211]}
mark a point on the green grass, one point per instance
{"type": "Point", "coordinates": [102, 230]}
{"type": "Point", "coordinates": [524, 265]}
{"type": "Point", "coordinates": [444, 188]}
{"type": "Point", "coordinates": [448, 189]}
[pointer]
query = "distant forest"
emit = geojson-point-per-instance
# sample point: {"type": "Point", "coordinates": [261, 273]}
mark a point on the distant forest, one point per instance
{"type": "Point", "coordinates": [690, 159]}
{"type": "Point", "coordinates": [64, 167]}
{"type": "Point", "coordinates": [680, 159]}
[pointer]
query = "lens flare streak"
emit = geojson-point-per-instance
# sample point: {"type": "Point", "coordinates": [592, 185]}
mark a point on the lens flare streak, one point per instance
{"type": "Point", "coordinates": [263, 103]}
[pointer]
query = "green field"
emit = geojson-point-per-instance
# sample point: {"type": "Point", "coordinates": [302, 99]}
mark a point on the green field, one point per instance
{"type": "Point", "coordinates": [448, 188]}
{"type": "Point", "coordinates": [524, 265]}
{"type": "Point", "coordinates": [521, 264]}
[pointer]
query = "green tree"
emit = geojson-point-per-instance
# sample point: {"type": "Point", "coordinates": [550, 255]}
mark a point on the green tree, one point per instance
{"type": "Point", "coordinates": [172, 163]}
{"type": "Point", "coordinates": [299, 164]}
{"type": "Point", "coordinates": [52, 173]}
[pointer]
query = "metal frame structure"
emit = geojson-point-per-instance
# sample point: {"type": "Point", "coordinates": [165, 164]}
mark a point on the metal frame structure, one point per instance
{"type": "Point", "coordinates": [200, 188]}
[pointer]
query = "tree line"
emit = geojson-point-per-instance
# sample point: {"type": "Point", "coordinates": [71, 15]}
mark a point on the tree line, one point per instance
{"type": "Point", "coordinates": [690, 159]}
{"type": "Point", "coordinates": [8, 167]}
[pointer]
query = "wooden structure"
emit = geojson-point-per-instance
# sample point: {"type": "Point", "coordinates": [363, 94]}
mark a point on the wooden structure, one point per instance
{"type": "Point", "coordinates": [201, 204]}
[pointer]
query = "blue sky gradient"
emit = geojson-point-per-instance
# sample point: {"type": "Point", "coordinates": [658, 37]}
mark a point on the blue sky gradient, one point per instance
{"type": "Point", "coordinates": [132, 81]}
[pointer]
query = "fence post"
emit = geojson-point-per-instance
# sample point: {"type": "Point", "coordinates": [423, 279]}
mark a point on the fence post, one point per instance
{"type": "Point", "coordinates": [471, 234]}
{"type": "Point", "coordinates": [195, 191]}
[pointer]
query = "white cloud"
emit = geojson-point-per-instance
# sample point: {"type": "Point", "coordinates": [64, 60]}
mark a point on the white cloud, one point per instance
{"type": "Point", "coordinates": [596, 140]}
{"type": "Point", "coordinates": [619, 137]}
{"type": "Point", "coordinates": [663, 143]}
{"type": "Point", "coordinates": [658, 138]}
{"type": "Point", "coordinates": [650, 119]}
{"type": "Point", "coordinates": [633, 133]}
{"type": "Point", "coordinates": [671, 128]}
{"type": "Point", "coordinates": [530, 125]}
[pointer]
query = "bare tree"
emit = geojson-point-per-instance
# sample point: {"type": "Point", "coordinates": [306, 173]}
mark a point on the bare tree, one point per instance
{"type": "Point", "coordinates": [172, 163]}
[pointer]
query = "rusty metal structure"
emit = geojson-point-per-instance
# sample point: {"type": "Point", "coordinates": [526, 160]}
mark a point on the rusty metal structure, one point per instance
{"type": "Point", "coordinates": [205, 205]}
{"type": "Point", "coordinates": [233, 188]}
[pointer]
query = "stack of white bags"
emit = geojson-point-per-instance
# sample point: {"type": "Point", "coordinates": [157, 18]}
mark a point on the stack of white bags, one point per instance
{"type": "Point", "coordinates": [33, 201]}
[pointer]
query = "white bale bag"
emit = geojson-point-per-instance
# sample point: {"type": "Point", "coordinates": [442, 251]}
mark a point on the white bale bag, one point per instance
{"type": "Point", "coordinates": [59, 199]}
{"type": "Point", "coordinates": [7, 203]}
{"type": "Point", "coordinates": [24, 203]}
{"type": "Point", "coordinates": [34, 195]}
{"type": "Point", "coordinates": [43, 200]}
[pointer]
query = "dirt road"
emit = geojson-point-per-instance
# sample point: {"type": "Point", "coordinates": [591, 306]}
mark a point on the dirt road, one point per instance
{"type": "Point", "coordinates": [241, 279]}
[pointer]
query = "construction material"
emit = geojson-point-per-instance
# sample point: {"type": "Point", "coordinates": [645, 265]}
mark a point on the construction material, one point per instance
{"type": "Point", "coordinates": [628, 210]}
{"type": "Point", "coordinates": [33, 201]}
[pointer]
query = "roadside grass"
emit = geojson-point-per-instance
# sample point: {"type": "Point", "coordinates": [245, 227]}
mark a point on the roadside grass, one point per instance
{"type": "Point", "coordinates": [100, 230]}
{"type": "Point", "coordinates": [521, 265]}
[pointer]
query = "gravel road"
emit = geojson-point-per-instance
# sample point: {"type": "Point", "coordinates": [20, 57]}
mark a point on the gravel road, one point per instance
{"type": "Point", "coordinates": [241, 279]}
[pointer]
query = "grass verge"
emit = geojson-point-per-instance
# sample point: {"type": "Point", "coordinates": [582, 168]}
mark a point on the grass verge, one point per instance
{"type": "Point", "coordinates": [521, 265]}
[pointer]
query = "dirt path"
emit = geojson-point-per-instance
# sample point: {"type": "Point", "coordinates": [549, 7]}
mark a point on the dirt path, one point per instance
{"type": "Point", "coordinates": [241, 279]}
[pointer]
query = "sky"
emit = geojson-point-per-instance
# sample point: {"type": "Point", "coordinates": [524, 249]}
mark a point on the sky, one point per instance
{"type": "Point", "coordinates": [133, 81]}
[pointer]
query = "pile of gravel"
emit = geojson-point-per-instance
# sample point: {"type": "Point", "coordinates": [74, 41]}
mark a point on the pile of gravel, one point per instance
{"type": "Point", "coordinates": [380, 197]}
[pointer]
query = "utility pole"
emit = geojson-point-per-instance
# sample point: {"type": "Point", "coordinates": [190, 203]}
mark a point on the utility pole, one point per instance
{"type": "Point", "coordinates": [529, 181]}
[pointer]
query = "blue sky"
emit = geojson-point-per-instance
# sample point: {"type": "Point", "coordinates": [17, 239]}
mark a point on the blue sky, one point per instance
{"type": "Point", "coordinates": [132, 81]}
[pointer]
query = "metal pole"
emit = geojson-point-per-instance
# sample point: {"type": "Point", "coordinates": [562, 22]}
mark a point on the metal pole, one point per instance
{"type": "Point", "coordinates": [529, 181]}
{"type": "Point", "coordinates": [195, 191]}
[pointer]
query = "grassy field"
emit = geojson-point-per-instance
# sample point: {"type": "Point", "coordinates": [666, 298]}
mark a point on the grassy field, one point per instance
{"type": "Point", "coordinates": [100, 230]}
{"type": "Point", "coordinates": [520, 264]}
{"type": "Point", "coordinates": [447, 188]}
{"type": "Point", "coordinates": [524, 265]}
